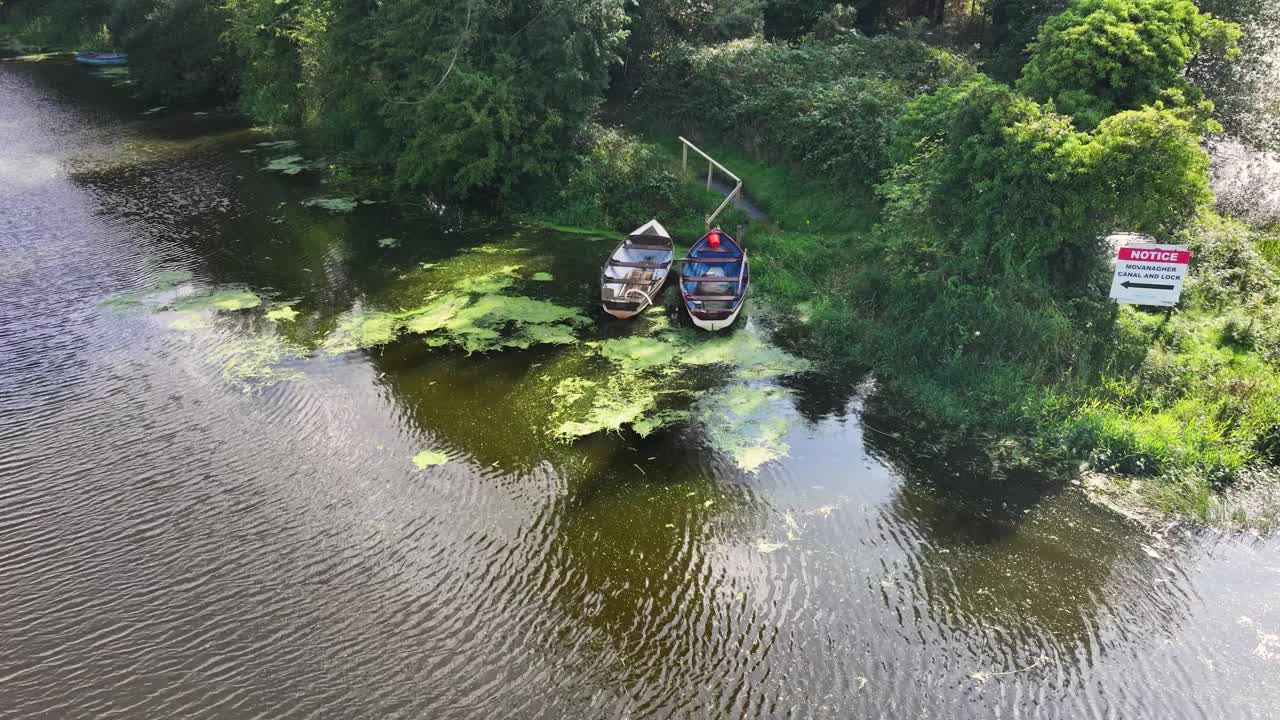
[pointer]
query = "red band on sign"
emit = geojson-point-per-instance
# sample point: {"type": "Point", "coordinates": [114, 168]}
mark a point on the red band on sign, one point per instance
{"type": "Point", "coordinates": [1155, 255]}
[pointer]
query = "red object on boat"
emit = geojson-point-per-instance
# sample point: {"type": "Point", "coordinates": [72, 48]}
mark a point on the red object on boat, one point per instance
{"type": "Point", "coordinates": [713, 239]}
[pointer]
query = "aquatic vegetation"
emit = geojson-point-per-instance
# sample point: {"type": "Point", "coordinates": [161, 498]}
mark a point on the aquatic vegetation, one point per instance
{"type": "Point", "coordinates": [434, 315]}
{"type": "Point", "coordinates": [490, 282]}
{"type": "Point", "coordinates": [601, 407]}
{"type": "Point", "coordinates": [131, 301]}
{"type": "Point", "coordinates": [362, 330]}
{"type": "Point", "coordinates": [747, 424]}
{"type": "Point", "coordinates": [480, 326]}
{"type": "Point", "coordinates": [287, 165]}
{"type": "Point", "coordinates": [171, 278]}
{"type": "Point", "coordinates": [638, 352]}
{"type": "Point", "coordinates": [127, 302]}
{"type": "Point", "coordinates": [646, 426]}
{"type": "Point", "coordinates": [748, 354]}
{"type": "Point", "coordinates": [284, 313]}
{"type": "Point", "coordinates": [332, 204]}
{"type": "Point", "coordinates": [189, 321]}
{"type": "Point", "coordinates": [224, 300]}
{"type": "Point", "coordinates": [542, 277]}
{"type": "Point", "coordinates": [428, 458]}
{"type": "Point", "coordinates": [389, 242]}
{"type": "Point", "coordinates": [253, 361]}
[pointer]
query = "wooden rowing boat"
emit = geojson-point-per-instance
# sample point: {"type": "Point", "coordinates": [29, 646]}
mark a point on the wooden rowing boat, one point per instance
{"type": "Point", "coordinates": [636, 271]}
{"type": "Point", "coordinates": [714, 278]}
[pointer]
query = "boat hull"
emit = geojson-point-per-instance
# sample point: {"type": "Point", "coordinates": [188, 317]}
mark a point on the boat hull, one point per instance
{"type": "Point", "coordinates": [719, 324]}
{"type": "Point", "coordinates": [102, 59]}
{"type": "Point", "coordinates": [622, 314]}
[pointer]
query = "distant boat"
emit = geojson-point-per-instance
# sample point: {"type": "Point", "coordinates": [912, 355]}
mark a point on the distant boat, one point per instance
{"type": "Point", "coordinates": [636, 271]}
{"type": "Point", "coordinates": [97, 58]}
{"type": "Point", "coordinates": [714, 279]}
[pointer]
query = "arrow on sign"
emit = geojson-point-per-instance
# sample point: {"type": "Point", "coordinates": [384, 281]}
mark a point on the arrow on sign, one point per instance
{"type": "Point", "coordinates": [1145, 286]}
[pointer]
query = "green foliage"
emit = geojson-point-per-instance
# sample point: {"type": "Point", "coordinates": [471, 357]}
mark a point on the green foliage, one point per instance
{"type": "Point", "coordinates": [1103, 56]}
{"type": "Point", "coordinates": [619, 182]}
{"type": "Point", "coordinates": [63, 24]}
{"type": "Point", "coordinates": [831, 105]}
{"type": "Point", "coordinates": [175, 47]}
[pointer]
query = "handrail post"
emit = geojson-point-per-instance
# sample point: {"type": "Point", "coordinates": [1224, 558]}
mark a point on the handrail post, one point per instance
{"type": "Point", "coordinates": [684, 158]}
{"type": "Point", "coordinates": [710, 169]}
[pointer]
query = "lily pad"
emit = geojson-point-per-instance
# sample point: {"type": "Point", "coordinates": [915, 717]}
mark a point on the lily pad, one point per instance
{"type": "Point", "coordinates": [283, 313]}
{"type": "Point", "coordinates": [542, 277]}
{"type": "Point", "coordinates": [223, 300]}
{"type": "Point", "coordinates": [428, 458]}
{"type": "Point", "coordinates": [287, 165]}
{"type": "Point", "coordinates": [343, 205]}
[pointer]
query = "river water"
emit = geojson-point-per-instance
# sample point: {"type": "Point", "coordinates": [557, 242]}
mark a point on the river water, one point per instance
{"type": "Point", "coordinates": [240, 476]}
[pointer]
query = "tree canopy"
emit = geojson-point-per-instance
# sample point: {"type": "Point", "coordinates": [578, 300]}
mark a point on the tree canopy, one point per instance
{"type": "Point", "coordinates": [1099, 57]}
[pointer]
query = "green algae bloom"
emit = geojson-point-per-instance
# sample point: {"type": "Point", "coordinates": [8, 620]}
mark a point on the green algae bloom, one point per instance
{"type": "Point", "coordinates": [287, 165]}
{"type": "Point", "coordinates": [747, 424]}
{"type": "Point", "coordinates": [362, 330]}
{"type": "Point", "coordinates": [428, 458]}
{"type": "Point", "coordinates": [224, 300]}
{"type": "Point", "coordinates": [171, 278]}
{"type": "Point", "coordinates": [343, 205]}
{"type": "Point", "coordinates": [253, 362]}
{"type": "Point", "coordinates": [189, 321]}
{"type": "Point", "coordinates": [646, 426]}
{"type": "Point", "coordinates": [542, 277]}
{"type": "Point", "coordinates": [478, 327]}
{"type": "Point", "coordinates": [750, 356]}
{"type": "Point", "coordinates": [600, 407]}
{"type": "Point", "coordinates": [490, 282]}
{"type": "Point", "coordinates": [638, 352]}
{"type": "Point", "coordinates": [128, 302]}
{"type": "Point", "coordinates": [283, 313]}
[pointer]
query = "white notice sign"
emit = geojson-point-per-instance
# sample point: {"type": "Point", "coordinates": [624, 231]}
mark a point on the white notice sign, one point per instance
{"type": "Point", "coordinates": [1150, 274]}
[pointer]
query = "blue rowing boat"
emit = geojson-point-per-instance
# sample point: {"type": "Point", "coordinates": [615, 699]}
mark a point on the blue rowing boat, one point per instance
{"type": "Point", "coordinates": [96, 58]}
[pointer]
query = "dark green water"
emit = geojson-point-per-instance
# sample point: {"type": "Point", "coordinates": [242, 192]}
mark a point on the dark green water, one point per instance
{"type": "Point", "coordinates": [215, 513]}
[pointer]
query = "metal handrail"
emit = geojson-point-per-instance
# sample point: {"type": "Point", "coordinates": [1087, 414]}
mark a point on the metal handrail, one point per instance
{"type": "Point", "coordinates": [712, 166]}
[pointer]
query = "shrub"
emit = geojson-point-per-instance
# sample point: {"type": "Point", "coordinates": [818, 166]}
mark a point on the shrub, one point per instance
{"type": "Point", "coordinates": [1102, 56]}
{"type": "Point", "coordinates": [175, 48]}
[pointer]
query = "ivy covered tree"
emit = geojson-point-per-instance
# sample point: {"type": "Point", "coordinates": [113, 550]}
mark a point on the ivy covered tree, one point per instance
{"type": "Point", "coordinates": [1099, 57]}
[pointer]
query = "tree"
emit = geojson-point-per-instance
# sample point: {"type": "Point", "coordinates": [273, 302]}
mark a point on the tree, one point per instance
{"type": "Point", "coordinates": [990, 186]}
{"type": "Point", "coordinates": [1103, 56]}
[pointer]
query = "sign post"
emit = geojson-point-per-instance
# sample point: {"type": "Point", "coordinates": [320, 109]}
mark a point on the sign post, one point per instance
{"type": "Point", "coordinates": [1148, 274]}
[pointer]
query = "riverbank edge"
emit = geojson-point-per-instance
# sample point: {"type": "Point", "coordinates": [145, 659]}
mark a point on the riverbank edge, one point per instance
{"type": "Point", "coordinates": [1179, 493]}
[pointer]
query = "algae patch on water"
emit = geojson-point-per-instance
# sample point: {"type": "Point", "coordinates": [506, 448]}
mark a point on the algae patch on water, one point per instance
{"type": "Point", "coordinates": [343, 205]}
{"type": "Point", "coordinates": [428, 458]}
{"type": "Point", "coordinates": [542, 277]}
{"type": "Point", "coordinates": [747, 424]}
{"type": "Point", "coordinates": [224, 300]}
{"type": "Point", "coordinates": [746, 421]}
{"type": "Point", "coordinates": [283, 313]}
{"type": "Point", "coordinates": [287, 165]}
{"type": "Point", "coordinates": [254, 361]}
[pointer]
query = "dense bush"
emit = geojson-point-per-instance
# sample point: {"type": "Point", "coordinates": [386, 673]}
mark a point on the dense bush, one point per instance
{"type": "Point", "coordinates": [1102, 56]}
{"type": "Point", "coordinates": [830, 105]}
{"type": "Point", "coordinates": [991, 187]}
{"type": "Point", "coordinates": [175, 47]}
{"type": "Point", "coordinates": [619, 182]}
